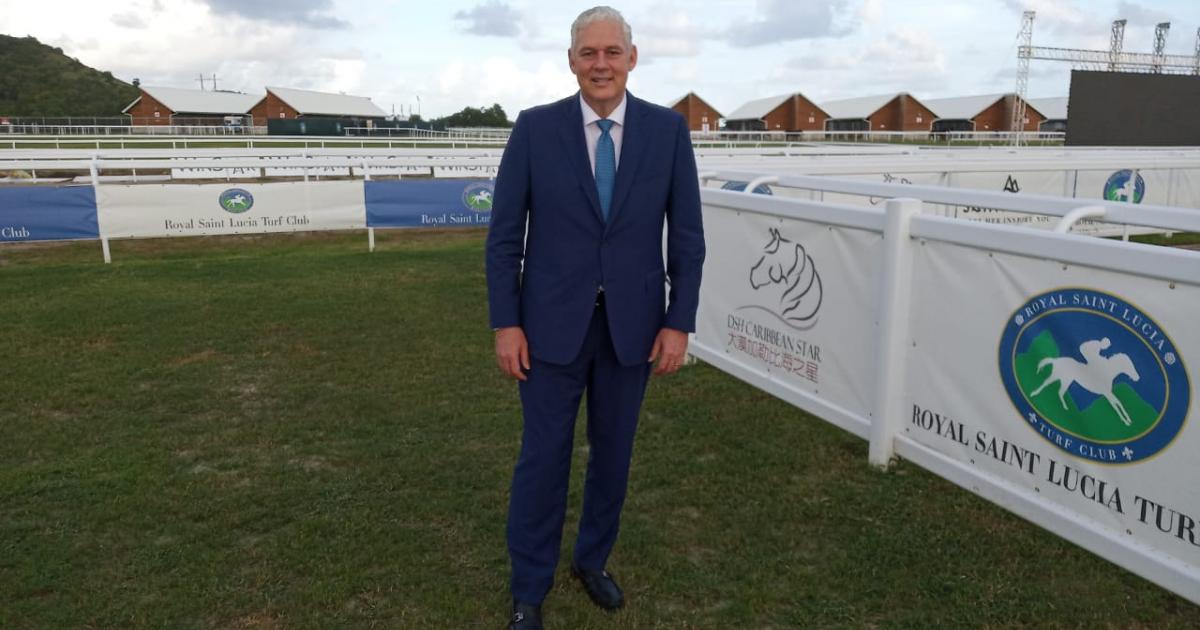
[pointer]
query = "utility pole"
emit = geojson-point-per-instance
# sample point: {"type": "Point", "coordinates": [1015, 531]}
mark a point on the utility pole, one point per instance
{"type": "Point", "coordinates": [201, 81]}
{"type": "Point", "coordinates": [214, 82]}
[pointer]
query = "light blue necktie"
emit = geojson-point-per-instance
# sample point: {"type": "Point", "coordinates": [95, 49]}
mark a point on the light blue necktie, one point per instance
{"type": "Point", "coordinates": [606, 166]}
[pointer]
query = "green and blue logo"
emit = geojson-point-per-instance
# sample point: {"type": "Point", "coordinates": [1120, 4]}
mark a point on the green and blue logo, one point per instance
{"type": "Point", "coordinates": [1094, 375]}
{"type": "Point", "coordinates": [761, 189]}
{"type": "Point", "coordinates": [478, 196]}
{"type": "Point", "coordinates": [1125, 186]}
{"type": "Point", "coordinates": [236, 200]}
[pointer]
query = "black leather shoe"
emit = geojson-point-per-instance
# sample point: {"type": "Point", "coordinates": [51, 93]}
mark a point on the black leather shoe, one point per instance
{"type": "Point", "coordinates": [525, 617]}
{"type": "Point", "coordinates": [601, 587]}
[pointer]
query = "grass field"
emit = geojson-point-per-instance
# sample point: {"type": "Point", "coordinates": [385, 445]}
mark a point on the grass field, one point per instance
{"type": "Point", "coordinates": [289, 432]}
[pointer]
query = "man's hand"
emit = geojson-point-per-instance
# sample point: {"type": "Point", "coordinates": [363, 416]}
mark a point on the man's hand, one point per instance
{"type": "Point", "coordinates": [670, 348]}
{"type": "Point", "coordinates": [512, 352]}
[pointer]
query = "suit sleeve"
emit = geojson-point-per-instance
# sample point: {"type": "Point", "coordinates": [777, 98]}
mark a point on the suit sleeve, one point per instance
{"type": "Point", "coordinates": [685, 235]}
{"type": "Point", "coordinates": [505, 249]}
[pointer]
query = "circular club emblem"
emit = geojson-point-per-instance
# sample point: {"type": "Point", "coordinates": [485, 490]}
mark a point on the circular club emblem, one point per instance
{"type": "Point", "coordinates": [236, 200]}
{"type": "Point", "coordinates": [478, 196]}
{"type": "Point", "coordinates": [761, 189]}
{"type": "Point", "coordinates": [1094, 375]}
{"type": "Point", "coordinates": [1123, 186]}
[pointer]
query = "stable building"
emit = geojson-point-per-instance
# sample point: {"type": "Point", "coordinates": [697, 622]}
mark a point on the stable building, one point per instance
{"type": "Point", "coordinates": [984, 112]}
{"type": "Point", "coordinates": [177, 106]}
{"type": "Point", "coordinates": [293, 104]}
{"type": "Point", "coordinates": [786, 112]}
{"type": "Point", "coordinates": [1053, 112]}
{"type": "Point", "coordinates": [885, 112]}
{"type": "Point", "coordinates": [700, 116]}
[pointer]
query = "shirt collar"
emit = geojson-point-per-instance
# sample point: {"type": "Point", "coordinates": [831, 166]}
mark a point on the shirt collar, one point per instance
{"type": "Point", "coordinates": [590, 116]}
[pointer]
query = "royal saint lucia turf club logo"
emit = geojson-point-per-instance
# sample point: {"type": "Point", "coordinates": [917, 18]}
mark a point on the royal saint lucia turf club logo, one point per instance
{"type": "Point", "coordinates": [477, 196]}
{"type": "Point", "coordinates": [1125, 185]}
{"type": "Point", "coordinates": [1094, 375]}
{"type": "Point", "coordinates": [236, 200]}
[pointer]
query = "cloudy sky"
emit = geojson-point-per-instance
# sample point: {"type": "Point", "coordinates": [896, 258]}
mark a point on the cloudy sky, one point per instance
{"type": "Point", "coordinates": [444, 55]}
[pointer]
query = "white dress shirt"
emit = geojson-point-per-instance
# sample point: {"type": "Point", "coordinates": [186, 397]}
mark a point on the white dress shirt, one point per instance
{"type": "Point", "coordinates": [591, 131]}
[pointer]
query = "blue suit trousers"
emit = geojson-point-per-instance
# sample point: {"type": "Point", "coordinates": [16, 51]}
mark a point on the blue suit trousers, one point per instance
{"type": "Point", "coordinates": [537, 508]}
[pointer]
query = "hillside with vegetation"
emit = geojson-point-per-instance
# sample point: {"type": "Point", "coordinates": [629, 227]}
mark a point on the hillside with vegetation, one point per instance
{"type": "Point", "coordinates": [40, 80]}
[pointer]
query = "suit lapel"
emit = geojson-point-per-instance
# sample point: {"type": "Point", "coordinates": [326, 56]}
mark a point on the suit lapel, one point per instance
{"type": "Point", "coordinates": [575, 146]}
{"type": "Point", "coordinates": [633, 144]}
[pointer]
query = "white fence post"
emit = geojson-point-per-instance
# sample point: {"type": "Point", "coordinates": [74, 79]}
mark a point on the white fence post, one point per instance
{"type": "Point", "coordinates": [893, 332]}
{"type": "Point", "coordinates": [95, 171]}
{"type": "Point", "coordinates": [370, 230]}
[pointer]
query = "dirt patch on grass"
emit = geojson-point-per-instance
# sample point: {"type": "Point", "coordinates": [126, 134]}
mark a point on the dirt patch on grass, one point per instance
{"type": "Point", "coordinates": [313, 463]}
{"type": "Point", "coordinates": [203, 356]}
{"type": "Point", "coordinates": [98, 343]}
{"type": "Point", "coordinates": [256, 621]}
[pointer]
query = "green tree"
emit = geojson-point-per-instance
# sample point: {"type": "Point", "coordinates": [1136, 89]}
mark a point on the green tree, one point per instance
{"type": "Point", "coordinates": [493, 116]}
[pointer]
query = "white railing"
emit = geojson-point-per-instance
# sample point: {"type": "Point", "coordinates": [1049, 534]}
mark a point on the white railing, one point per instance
{"type": "Point", "coordinates": [126, 130]}
{"type": "Point", "coordinates": [905, 325]}
{"type": "Point", "coordinates": [888, 137]}
{"type": "Point", "coordinates": [177, 141]}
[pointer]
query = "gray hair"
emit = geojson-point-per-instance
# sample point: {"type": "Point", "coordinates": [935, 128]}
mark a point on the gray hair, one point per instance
{"type": "Point", "coordinates": [600, 14]}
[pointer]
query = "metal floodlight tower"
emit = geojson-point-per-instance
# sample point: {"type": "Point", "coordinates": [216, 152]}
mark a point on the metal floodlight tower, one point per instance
{"type": "Point", "coordinates": [1196, 58]}
{"type": "Point", "coordinates": [1115, 45]}
{"type": "Point", "coordinates": [1024, 52]}
{"type": "Point", "coordinates": [1160, 46]}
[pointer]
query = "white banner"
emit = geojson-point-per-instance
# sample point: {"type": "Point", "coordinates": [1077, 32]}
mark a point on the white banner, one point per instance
{"type": "Point", "coordinates": [794, 301]}
{"type": "Point", "coordinates": [401, 170]}
{"type": "Point", "coordinates": [1066, 382]}
{"type": "Point", "coordinates": [465, 172]}
{"type": "Point", "coordinates": [318, 171]}
{"type": "Point", "coordinates": [913, 179]}
{"type": "Point", "coordinates": [149, 211]}
{"type": "Point", "coordinates": [1030, 182]}
{"type": "Point", "coordinates": [213, 173]}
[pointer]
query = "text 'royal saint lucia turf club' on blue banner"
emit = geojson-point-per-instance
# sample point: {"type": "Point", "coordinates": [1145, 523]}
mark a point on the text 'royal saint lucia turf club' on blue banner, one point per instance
{"type": "Point", "coordinates": [429, 203]}
{"type": "Point", "coordinates": [35, 213]}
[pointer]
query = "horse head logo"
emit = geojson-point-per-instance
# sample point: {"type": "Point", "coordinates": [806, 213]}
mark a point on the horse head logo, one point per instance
{"type": "Point", "coordinates": [1097, 374]}
{"type": "Point", "coordinates": [785, 264]}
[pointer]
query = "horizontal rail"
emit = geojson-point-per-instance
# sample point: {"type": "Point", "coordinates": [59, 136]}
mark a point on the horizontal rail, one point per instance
{"type": "Point", "coordinates": [234, 163]}
{"type": "Point", "coordinates": [1166, 263]}
{"type": "Point", "coordinates": [856, 217]}
{"type": "Point", "coordinates": [1163, 217]}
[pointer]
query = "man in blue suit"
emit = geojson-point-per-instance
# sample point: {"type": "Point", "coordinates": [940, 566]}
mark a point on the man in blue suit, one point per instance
{"type": "Point", "coordinates": [577, 296]}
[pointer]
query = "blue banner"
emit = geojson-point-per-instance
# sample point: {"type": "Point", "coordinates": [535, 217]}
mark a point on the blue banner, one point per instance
{"type": "Point", "coordinates": [429, 203]}
{"type": "Point", "coordinates": [51, 213]}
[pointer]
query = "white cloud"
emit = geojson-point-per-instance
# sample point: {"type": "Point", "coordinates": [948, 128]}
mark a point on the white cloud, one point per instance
{"type": "Point", "coordinates": [1137, 14]}
{"type": "Point", "coordinates": [902, 60]}
{"type": "Point", "coordinates": [307, 13]}
{"type": "Point", "coordinates": [128, 19]}
{"type": "Point", "coordinates": [671, 31]}
{"type": "Point", "coordinates": [491, 18]}
{"type": "Point", "coordinates": [1059, 16]}
{"type": "Point", "coordinates": [477, 83]}
{"type": "Point", "coordinates": [787, 20]}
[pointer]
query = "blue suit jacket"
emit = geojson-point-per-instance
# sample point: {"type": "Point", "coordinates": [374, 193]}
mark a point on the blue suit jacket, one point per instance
{"type": "Point", "coordinates": [549, 250]}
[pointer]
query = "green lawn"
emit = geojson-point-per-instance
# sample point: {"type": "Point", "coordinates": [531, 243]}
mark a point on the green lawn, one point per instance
{"type": "Point", "coordinates": [289, 432]}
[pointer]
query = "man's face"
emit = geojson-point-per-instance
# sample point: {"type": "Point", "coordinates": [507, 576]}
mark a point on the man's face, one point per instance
{"type": "Point", "coordinates": [601, 62]}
